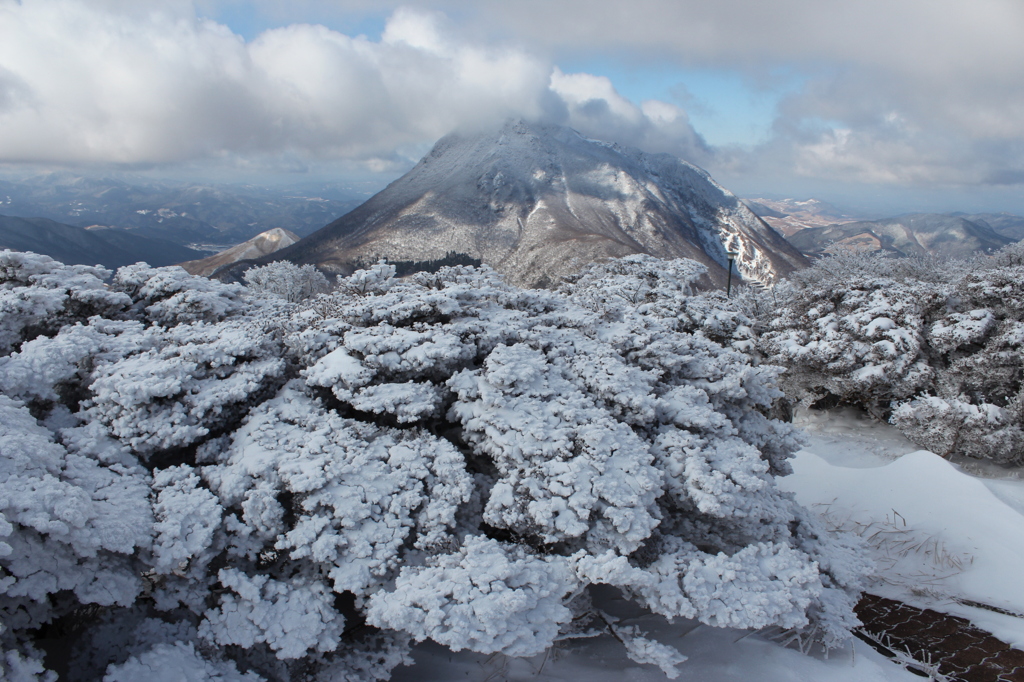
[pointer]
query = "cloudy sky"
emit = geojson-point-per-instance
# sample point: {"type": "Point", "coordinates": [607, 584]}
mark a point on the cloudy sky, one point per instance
{"type": "Point", "coordinates": [880, 104]}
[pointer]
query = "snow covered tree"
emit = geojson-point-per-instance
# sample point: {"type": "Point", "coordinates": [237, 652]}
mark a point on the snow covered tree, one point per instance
{"type": "Point", "coordinates": [257, 489]}
{"type": "Point", "coordinates": [291, 282]}
{"type": "Point", "coordinates": [935, 345]}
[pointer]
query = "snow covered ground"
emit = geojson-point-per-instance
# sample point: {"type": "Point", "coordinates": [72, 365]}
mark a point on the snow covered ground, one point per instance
{"type": "Point", "coordinates": [938, 532]}
{"type": "Point", "coordinates": [941, 533]}
{"type": "Point", "coordinates": [714, 656]}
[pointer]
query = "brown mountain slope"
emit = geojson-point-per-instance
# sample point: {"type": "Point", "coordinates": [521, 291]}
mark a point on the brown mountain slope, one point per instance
{"type": "Point", "coordinates": [538, 202]}
{"type": "Point", "coordinates": [263, 244]}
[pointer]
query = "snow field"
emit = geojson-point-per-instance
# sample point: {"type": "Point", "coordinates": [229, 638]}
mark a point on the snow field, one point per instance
{"type": "Point", "coordinates": [936, 533]}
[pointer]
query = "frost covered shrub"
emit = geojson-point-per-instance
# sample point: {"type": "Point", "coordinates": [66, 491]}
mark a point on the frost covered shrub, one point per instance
{"type": "Point", "coordinates": [951, 425]}
{"type": "Point", "coordinates": [934, 345]}
{"type": "Point", "coordinates": [188, 364]}
{"type": "Point", "coordinates": [170, 295]}
{"type": "Point", "coordinates": [176, 662]}
{"type": "Point", "coordinates": [73, 517]}
{"type": "Point", "coordinates": [180, 385]}
{"type": "Point", "coordinates": [239, 489]}
{"type": "Point", "coordinates": [82, 410]}
{"type": "Point", "coordinates": [976, 405]}
{"type": "Point", "coordinates": [599, 433]}
{"type": "Point", "coordinates": [291, 282]}
{"type": "Point", "coordinates": [859, 342]}
{"type": "Point", "coordinates": [977, 343]}
{"type": "Point", "coordinates": [1009, 255]}
{"type": "Point", "coordinates": [39, 295]}
{"type": "Point", "coordinates": [667, 290]}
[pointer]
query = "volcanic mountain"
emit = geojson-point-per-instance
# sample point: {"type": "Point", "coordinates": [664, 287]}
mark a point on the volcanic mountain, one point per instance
{"type": "Point", "coordinates": [537, 202]}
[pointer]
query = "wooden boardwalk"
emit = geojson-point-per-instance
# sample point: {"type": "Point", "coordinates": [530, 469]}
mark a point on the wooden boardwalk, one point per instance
{"type": "Point", "coordinates": [938, 642]}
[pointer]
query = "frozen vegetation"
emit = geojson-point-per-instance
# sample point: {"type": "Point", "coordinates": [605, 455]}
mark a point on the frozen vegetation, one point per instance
{"type": "Point", "coordinates": [204, 482]}
{"type": "Point", "coordinates": [939, 537]}
{"type": "Point", "coordinates": [933, 346]}
{"type": "Point", "coordinates": [209, 481]}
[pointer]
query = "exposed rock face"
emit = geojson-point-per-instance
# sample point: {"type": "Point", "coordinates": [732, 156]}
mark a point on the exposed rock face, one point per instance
{"type": "Point", "coordinates": [263, 244]}
{"type": "Point", "coordinates": [916, 234]}
{"type": "Point", "coordinates": [537, 202]}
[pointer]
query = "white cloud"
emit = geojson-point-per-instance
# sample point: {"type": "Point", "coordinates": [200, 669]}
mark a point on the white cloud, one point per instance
{"type": "Point", "coordinates": [904, 92]}
{"type": "Point", "coordinates": [152, 83]}
{"type": "Point", "coordinates": [594, 107]}
{"type": "Point", "coordinates": [952, 72]}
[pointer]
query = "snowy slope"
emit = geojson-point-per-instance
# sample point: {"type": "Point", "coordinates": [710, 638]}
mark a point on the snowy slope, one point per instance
{"type": "Point", "coordinates": [537, 202]}
{"type": "Point", "coordinates": [940, 536]}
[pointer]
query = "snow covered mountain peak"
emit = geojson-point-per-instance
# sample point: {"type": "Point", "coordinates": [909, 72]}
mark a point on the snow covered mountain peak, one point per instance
{"type": "Point", "coordinates": [539, 201]}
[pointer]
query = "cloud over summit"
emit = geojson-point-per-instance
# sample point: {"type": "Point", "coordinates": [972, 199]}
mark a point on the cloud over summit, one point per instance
{"type": "Point", "coordinates": [904, 93]}
{"type": "Point", "coordinates": [893, 91]}
{"type": "Point", "coordinates": [151, 84]}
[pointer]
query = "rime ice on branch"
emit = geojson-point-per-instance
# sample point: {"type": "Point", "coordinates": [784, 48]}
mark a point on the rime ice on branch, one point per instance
{"type": "Point", "coordinates": [934, 346]}
{"type": "Point", "coordinates": [274, 487]}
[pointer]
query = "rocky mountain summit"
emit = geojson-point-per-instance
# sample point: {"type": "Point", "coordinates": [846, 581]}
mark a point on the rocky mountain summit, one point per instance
{"type": "Point", "coordinates": [538, 202]}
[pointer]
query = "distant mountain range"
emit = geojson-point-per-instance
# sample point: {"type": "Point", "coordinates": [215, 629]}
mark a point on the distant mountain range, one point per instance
{"type": "Point", "coordinates": [79, 246]}
{"type": "Point", "coordinates": [537, 202]}
{"type": "Point", "coordinates": [915, 234]}
{"type": "Point", "coordinates": [210, 216]}
{"type": "Point", "coordinates": [1008, 225]}
{"type": "Point", "coordinates": [817, 227]}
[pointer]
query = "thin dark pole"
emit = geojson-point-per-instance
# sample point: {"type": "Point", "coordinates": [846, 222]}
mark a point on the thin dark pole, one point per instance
{"type": "Point", "coordinates": [728, 282]}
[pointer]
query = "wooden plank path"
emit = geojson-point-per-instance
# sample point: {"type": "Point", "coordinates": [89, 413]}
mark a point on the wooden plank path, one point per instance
{"type": "Point", "coordinates": [940, 643]}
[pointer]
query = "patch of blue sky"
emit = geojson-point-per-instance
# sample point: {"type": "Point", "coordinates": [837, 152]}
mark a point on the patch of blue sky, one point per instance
{"type": "Point", "coordinates": [726, 107]}
{"type": "Point", "coordinates": [249, 19]}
